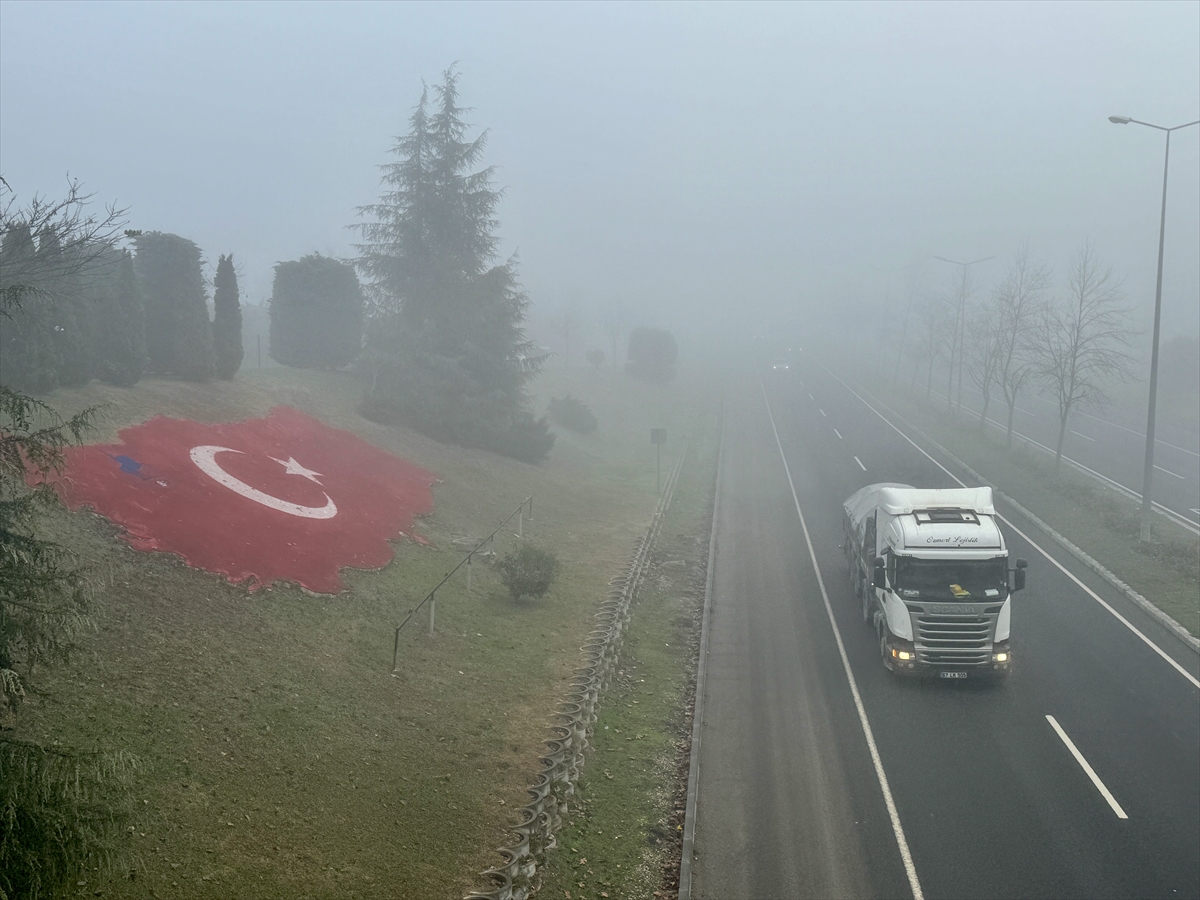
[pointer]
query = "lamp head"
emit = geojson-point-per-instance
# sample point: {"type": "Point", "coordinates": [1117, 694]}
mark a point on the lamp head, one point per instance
{"type": "Point", "coordinates": [1120, 120]}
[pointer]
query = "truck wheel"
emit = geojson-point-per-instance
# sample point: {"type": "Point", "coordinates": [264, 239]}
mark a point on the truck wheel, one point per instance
{"type": "Point", "coordinates": [883, 648]}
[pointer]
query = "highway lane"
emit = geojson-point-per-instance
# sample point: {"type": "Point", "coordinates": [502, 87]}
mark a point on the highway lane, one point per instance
{"type": "Point", "coordinates": [991, 799]}
{"type": "Point", "coordinates": [789, 805]}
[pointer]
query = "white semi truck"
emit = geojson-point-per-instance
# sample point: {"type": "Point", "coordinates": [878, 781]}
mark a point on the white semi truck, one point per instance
{"type": "Point", "coordinates": [930, 568]}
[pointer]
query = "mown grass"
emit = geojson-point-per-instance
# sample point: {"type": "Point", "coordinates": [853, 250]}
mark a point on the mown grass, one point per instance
{"type": "Point", "coordinates": [1097, 519]}
{"type": "Point", "coordinates": [282, 757]}
{"type": "Point", "coordinates": [627, 815]}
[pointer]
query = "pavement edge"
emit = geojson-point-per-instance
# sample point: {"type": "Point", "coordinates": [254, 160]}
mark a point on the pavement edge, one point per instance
{"type": "Point", "coordinates": [689, 816]}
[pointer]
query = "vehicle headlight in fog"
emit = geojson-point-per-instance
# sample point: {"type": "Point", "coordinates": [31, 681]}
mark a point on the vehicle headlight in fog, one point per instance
{"type": "Point", "coordinates": [1001, 657]}
{"type": "Point", "coordinates": [901, 654]}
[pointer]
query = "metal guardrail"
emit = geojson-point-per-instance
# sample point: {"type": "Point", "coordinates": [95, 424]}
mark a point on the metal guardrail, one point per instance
{"type": "Point", "coordinates": [431, 597]}
{"type": "Point", "coordinates": [516, 878]}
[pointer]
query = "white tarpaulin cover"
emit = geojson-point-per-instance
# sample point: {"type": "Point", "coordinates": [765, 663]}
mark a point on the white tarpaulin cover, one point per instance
{"type": "Point", "coordinates": [902, 499]}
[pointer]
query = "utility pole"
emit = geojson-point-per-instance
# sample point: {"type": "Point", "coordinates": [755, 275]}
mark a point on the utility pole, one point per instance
{"type": "Point", "coordinates": [959, 328]}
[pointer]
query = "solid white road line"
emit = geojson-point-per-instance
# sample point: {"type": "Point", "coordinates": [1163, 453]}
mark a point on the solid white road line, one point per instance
{"type": "Point", "coordinates": [839, 434]}
{"type": "Point", "coordinates": [1084, 436]}
{"type": "Point", "coordinates": [1169, 472]}
{"type": "Point", "coordinates": [860, 465]}
{"type": "Point", "coordinates": [1098, 419]}
{"type": "Point", "coordinates": [1120, 618]}
{"type": "Point", "coordinates": [893, 814]}
{"type": "Point", "coordinates": [1091, 773]}
{"type": "Point", "coordinates": [1169, 513]}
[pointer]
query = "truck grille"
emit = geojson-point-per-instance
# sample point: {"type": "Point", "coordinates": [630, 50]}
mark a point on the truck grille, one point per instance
{"type": "Point", "coordinates": [954, 638]}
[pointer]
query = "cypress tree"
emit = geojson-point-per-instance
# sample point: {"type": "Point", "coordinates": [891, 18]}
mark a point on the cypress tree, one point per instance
{"type": "Point", "coordinates": [227, 320]}
{"type": "Point", "coordinates": [316, 313]}
{"type": "Point", "coordinates": [447, 338]}
{"type": "Point", "coordinates": [179, 337]}
{"type": "Point", "coordinates": [28, 356]}
{"type": "Point", "coordinates": [69, 319]}
{"type": "Point", "coordinates": [120, 332]}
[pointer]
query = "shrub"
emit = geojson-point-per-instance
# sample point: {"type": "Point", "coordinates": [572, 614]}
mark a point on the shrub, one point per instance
{"type": "Point", "coordinates": [453, 400]}
{"type": "Point", "coordinates": [528, 571]}
{"type": "Point", "coordinates": [652, 354]}
{"type": "Point", "coordinates": [573, 414]}
{"type": "Point", "coordinates": [316, 313]}
{"type": "Point", "coordinates": [596, 357]}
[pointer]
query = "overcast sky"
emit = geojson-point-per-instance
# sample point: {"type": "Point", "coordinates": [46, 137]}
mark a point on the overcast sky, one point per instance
{"type": "Point", "coordinates": [727, 160]}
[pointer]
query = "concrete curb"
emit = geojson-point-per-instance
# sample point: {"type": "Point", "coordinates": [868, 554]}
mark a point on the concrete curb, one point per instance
{"type": "Point", "coordinates": [689, 815]}
{"type": "Point", "coordinates": [1133, 596]}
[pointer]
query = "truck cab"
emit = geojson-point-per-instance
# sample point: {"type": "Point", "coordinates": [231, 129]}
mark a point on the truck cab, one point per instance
{"type": "Point", "coordinates": [931, 570]}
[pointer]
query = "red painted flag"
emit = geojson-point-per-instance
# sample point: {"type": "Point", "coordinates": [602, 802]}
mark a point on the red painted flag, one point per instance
{"type": "Point", "coordinates": [281, 498]}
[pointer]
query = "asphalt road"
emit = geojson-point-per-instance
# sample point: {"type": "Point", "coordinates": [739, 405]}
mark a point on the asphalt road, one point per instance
{"type": "Point", "coordinates": [1112, 451]}
{"type": "Point", "coordinates": [988, 798]}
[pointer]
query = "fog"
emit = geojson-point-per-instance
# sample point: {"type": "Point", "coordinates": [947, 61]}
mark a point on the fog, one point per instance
{"type": "Point", "coordinates": [700, 165]}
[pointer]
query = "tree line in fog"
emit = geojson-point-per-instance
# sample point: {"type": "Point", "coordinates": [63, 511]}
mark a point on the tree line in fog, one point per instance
{"type": "Point", "coordinates": [1067, 336]}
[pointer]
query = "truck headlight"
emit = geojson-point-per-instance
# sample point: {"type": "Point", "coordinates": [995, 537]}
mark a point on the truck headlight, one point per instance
{"type": "Point", "coordinates": [1001, 657]}
{"type": "Point", "coordinates": [901, 654]}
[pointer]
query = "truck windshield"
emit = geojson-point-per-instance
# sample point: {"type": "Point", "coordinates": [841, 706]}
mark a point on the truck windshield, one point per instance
{"type": "Point", "coordinates": [950, 579]}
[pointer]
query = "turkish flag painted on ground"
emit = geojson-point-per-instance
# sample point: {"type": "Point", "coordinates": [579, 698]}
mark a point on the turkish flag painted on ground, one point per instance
{"type": "Point", "coordinates": [281, 498]}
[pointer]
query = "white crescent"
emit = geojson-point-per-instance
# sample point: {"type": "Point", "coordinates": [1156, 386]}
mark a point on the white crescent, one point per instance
{"type": "Point", "coordinates": [205, 459]}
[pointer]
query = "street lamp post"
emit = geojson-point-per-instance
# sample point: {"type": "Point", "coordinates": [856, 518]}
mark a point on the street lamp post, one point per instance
{"type": "Point", "coordinates": [959, 325]}
{"type": "Point", "coordinates": [1148, 473]}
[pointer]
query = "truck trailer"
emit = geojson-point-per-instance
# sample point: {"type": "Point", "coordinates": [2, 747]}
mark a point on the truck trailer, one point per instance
{"type": "Point", "coordinates": [930, 569]}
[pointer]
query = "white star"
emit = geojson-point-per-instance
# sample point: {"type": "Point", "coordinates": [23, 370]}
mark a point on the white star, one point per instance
{"type": "Point", "coordinates": [294, 468]}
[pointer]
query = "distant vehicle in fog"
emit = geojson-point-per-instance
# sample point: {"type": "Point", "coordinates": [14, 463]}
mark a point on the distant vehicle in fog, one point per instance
{"type": "Point", "coordinates": [780, 365]}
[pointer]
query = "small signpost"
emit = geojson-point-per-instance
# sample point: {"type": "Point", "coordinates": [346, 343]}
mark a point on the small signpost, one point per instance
{"type": "Point", "coordinates": [658, 437]}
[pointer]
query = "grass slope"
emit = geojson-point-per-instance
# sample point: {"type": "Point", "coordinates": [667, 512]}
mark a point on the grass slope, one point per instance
{"type": "Point", "coordinates": [627, 817]}
{"type": "Point", "coordinates": [282, 758]}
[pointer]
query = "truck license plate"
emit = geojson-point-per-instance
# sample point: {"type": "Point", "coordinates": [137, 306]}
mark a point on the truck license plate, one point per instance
{"type": "Point", "coordinates": [953, 674]}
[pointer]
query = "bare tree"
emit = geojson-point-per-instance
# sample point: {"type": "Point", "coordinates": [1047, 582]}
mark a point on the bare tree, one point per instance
{"type": "Point", "coordinates": [566, 323]}
{"type": "Point", "coordinates": [81, 238]}
{"type": "Point", "coordinates": [615, 324]}
{"type": "Point", "coordinates": [931, 337]}
{"type": "Point", "coordinates": [983, 351]}
{"type": "Point", "coordinates": [1019, 301]}
{"type": "Point", "coordinates": [914, 278]}
{"type": "Point", "coordinates": [1081, 340]}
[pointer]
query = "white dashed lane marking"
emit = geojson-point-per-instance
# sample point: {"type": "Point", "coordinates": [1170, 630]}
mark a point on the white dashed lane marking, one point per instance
{"type": "Point", "coordinates": [1091, 773]}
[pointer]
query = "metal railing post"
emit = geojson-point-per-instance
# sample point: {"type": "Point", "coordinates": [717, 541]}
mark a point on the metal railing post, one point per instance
{"type": "Point", "coordinates": [432, 610]}
{"type": "Point", "coordinates": [469, 557]}
{"type": "Point", "coordinates": [396, 651]}
{"type": "Point", "coordinates": [521, 521]}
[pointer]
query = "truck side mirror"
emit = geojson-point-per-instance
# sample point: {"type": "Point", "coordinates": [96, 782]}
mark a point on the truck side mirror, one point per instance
{"type": "Point", "coordinates": [880, 579]}
{"type": "Point", "coordinates": [1019, 575]}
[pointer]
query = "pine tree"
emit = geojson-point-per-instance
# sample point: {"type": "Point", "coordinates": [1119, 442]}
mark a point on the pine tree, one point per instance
{"type": "Point", "coordinates": [446, 339]}
{"type": "Point", "coordinates": [316, 313]}
{"type": "Point", "coordinates": [179, 337]}
{"type": "Point", "coordinates": [60, 809]}
{"type": "Point", "coordinates": [227, 320]}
